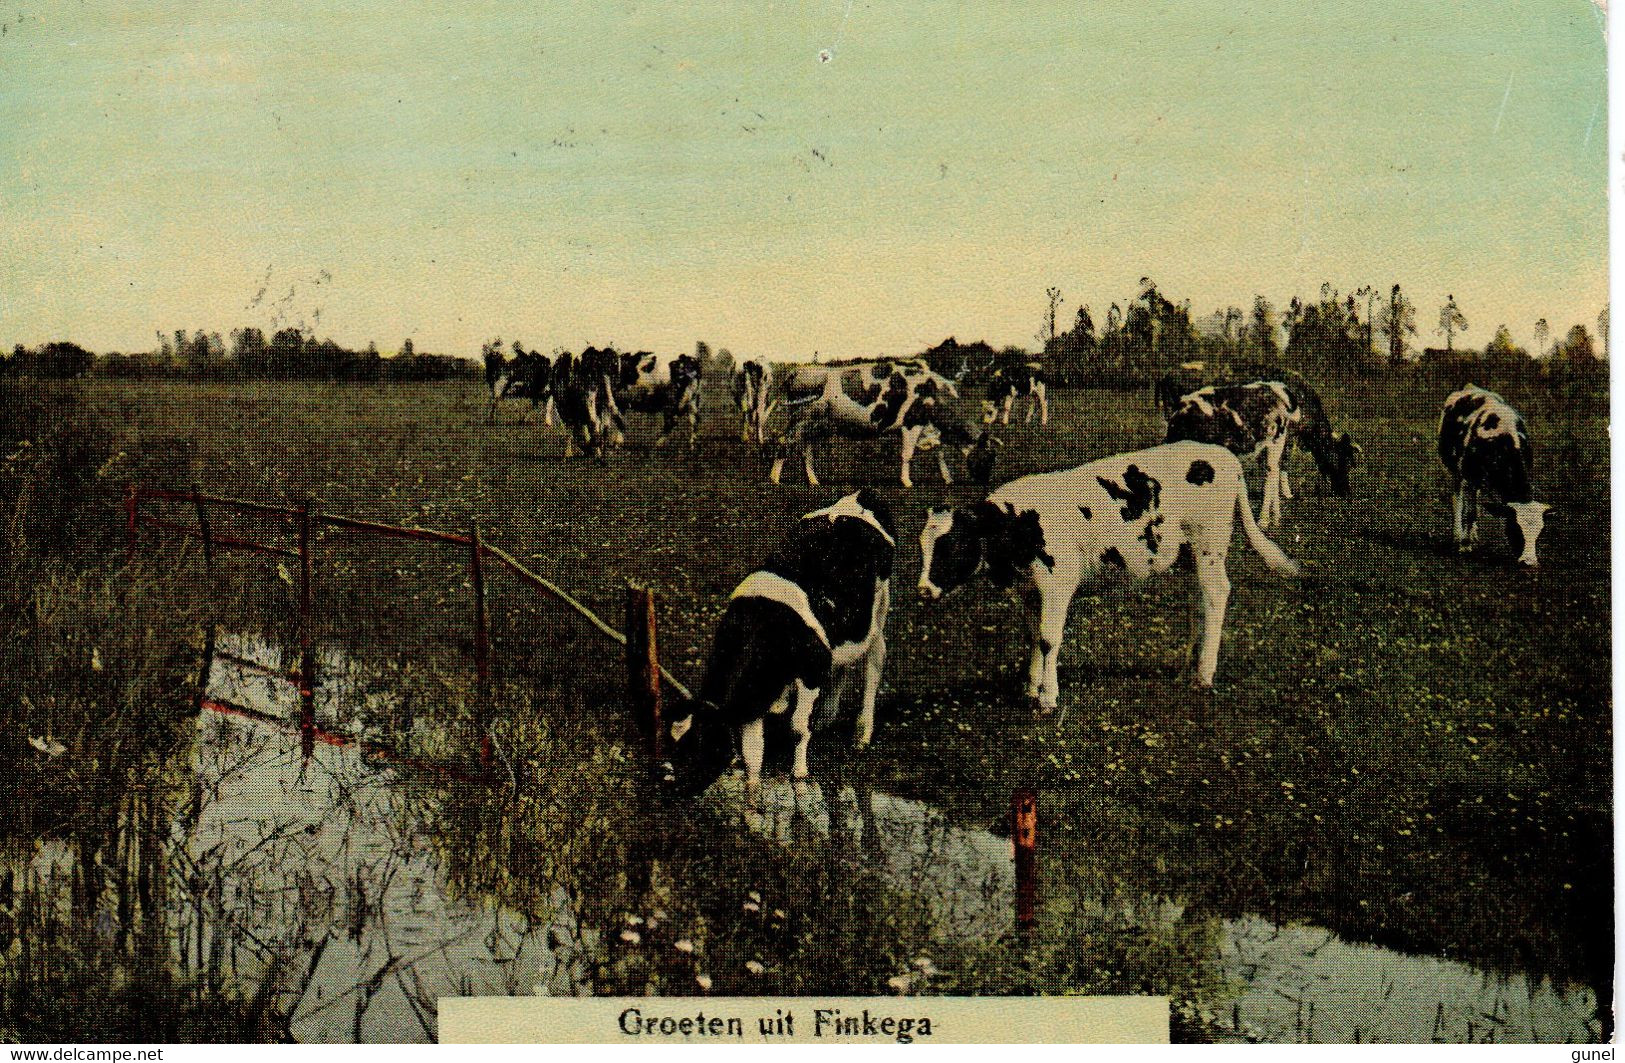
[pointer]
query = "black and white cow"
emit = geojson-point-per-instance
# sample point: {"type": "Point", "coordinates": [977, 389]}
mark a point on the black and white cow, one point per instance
{"type": "Point", "coordinates": [527, 375]}
{"type": "Point", "coordinates": [1261, 418]}
{"type": "Point", "coordinates": [859, 377]}
{"type": "Point", "coordinates": [1011, 382]}
{"type": "Point", "coordinates": [752, 381]}
{"type": "Point", "coordinates": [582, 389]}
{"type": "Point", "coordinates": [1136, 513]}
{"type": "Point", "coordinates": [668, 387]}
{"type": "Point", "coordinates": [1485, 445]}
{"type": "Point", "coordinates": [796, 633]}
{"type": "Point", "coordinates": [912, 408]}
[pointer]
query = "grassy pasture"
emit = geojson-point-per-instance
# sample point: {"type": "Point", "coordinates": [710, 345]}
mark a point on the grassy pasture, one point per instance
{"type": "Point", "coordinates": [1407, 746]}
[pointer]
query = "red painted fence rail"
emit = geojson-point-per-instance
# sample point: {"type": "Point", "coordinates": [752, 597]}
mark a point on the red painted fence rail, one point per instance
{"type": "Point", "coordinates": [644, 671]}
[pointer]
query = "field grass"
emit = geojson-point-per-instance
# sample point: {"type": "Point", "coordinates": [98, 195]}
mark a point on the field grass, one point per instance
{"type": "Point", "coordinates": [1406, 746]}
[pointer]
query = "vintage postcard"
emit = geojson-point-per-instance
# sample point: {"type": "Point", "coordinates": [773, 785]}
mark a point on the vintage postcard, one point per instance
{"type": "Point", "coordinates": [828, 522]}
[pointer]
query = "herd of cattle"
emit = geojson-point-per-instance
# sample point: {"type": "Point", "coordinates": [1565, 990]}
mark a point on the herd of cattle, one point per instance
{"type": "Point", "coordinates": [807, 623]}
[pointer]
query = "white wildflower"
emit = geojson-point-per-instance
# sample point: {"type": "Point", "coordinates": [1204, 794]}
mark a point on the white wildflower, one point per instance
{"type": "Point", "coordinates": [683, 945]}
{"type": "Point", "coordinates": [703, 981]}
{"type": "Point", "coordinates": [901, 982]}
{"type": "Point", "coordinates": [755, 967]}
{"type": "Point", "coordinates": [631, 937]}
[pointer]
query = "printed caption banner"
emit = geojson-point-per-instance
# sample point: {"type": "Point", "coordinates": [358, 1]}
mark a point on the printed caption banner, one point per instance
{"type": "Point", "coordinates": [804, 1020]}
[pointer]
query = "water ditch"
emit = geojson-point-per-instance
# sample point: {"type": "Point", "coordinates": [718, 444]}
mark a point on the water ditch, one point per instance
{"type": "Point", "coordinates": [328, 859]}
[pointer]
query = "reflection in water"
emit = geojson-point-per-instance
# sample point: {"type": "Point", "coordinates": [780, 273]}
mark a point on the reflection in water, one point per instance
{"type": "Point", "coordinates": [1279, 983]}
{"type": "Point", "coordinates": [344, 895]}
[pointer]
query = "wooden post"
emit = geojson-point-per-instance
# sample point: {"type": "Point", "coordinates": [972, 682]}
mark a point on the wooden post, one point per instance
{"type": "Point", "coordinates": [203, 529]}
{"type": "Point", "coordinates": [206, 670]}
{"type": "Point", "coordinates": [482, 648]}
{"type": "Point", "coordinates": [643, 667]}
{"type": "Point", "coordinates": [1024, 835]}
{"type": "Point", "coordinates": [132, 500]}
{"type": "Point", "coordinates": [307, 655]}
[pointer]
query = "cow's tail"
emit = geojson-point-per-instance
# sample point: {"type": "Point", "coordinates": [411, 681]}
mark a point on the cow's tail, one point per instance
{"type": "Point", "coordinates": [1273, 555]}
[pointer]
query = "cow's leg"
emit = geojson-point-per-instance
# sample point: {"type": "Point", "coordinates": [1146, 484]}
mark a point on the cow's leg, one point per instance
{"type": "Point", "coordinates": [1470, 515]}
{"type": "Point", "coordinates": [751, 744]}
{"type": "Point", "coordinates": [1460, 506]}
{"type": "Point", "coordinates": [806, 698]}
{"type": "Point", "coordinates": [547, 412]}
{"type": "Point", "coordinates": [911, 439]}
{"type": "Point", "coordinates": [693, 425]}
{"type": "Point", "coordinates": [1009, 401]}
{"type": "Point", "coordinates": [788, 439]}
{"type": "Point", "coordinates": [1272, 484]}
{"type": "Point", "coordinates": [1286, 464]}
{"type": "Point", "coordinates": [1051, 632]}
{"type": "Point", "coordinates": [942, 465]}
{"type": "Point", "coordinates": [1215, 588]}
{"type": "Point", "coordinates": [1033, 614]}
{"type": "Point", "coordinates": [1043, 404]}
{"type": "Point", "coordinates": [1032, 407]}
{"type": "Point", "coordinates": [872, 669]}
{"type": "Point", "coordinates": [806, 463]}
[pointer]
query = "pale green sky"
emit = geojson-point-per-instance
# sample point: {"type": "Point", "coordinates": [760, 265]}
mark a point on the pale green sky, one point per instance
{"type": "Point", "coordinates": [653, 174]}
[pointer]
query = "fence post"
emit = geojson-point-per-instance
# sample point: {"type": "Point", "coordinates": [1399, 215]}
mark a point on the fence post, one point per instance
{"type": "Point", "coordinates": [307, 655]}
{"type": "Point", "coordinates": [132, 499]}
{"type": "Point", "coordinates": [643, 667]}
{"type": "Point", "coordinates": [203, 528]}
{"type": "Point", "coordinates": [1024, 835]}
{"type": "Point", "coordinates": [482, 648]}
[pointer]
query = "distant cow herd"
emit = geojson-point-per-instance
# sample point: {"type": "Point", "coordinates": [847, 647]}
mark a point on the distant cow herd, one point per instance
{"type": "Point", "coordinates": [809, 623]}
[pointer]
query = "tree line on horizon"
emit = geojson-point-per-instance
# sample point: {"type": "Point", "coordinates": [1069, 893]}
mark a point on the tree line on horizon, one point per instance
{"type": "Point", "coordinates": [1359, 332]}
{"type": "Point", "coordinates": [1140, 339]}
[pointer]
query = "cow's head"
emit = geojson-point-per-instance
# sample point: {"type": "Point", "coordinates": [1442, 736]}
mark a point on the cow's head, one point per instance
{"type": "Point", "coordinates": [957, 544]}
{"type": "Point", "coordinates": [980, 457]}
{"type": "Point", "coordinates": [951, 551]}
{"type": "Point", "coordinates": [1337, 462]}
{"type": "Point", "coordinates": [699, 748]}
{"type": "Point", "coordinates": [685, 372]}
{"type": "Point", "coordinates": [1524, 523]}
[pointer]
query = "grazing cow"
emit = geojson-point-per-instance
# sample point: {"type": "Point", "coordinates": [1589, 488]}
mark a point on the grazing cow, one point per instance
{"type": "Point", "coordinates": [1010, 382]}
{"type": "Point", "coordinates": [1137, 513]}
{"type": "Point", "coordinates": [797, 631]}
{"type": "Point", "coordinates": [912, 410]}
{"type": "Point", "coordinates": [863, 377]}
{"type": "Point", "coordinates": [583, 391]}
{"type": "Point", "coordinates": [670, 387]}
{"type": "Point", "coordinates": [751, 383]}
{"type": "Point", "coordinates": [525, 376]}
{"type": "Point", "coordinates": [1485, 445]}
{"type": "Point", "coordinates": [1261, 418]}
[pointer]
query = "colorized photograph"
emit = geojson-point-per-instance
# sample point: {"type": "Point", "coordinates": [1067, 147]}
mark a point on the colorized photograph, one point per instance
{"type": "Point", "coordinates": [837, 499]}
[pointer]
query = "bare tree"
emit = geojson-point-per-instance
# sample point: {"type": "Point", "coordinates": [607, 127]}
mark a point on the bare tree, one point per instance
{"type": "Point", "coordinates": [1054, 296]}
{"type": "Point", "coordinates": [1399, 322]}
{"type": "Point", "coordinates": [1543, 332]}
{"type": "Point", "coordinates": [1370, 294]}
{"type": "Point", "coordinates": [1451, 322]}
